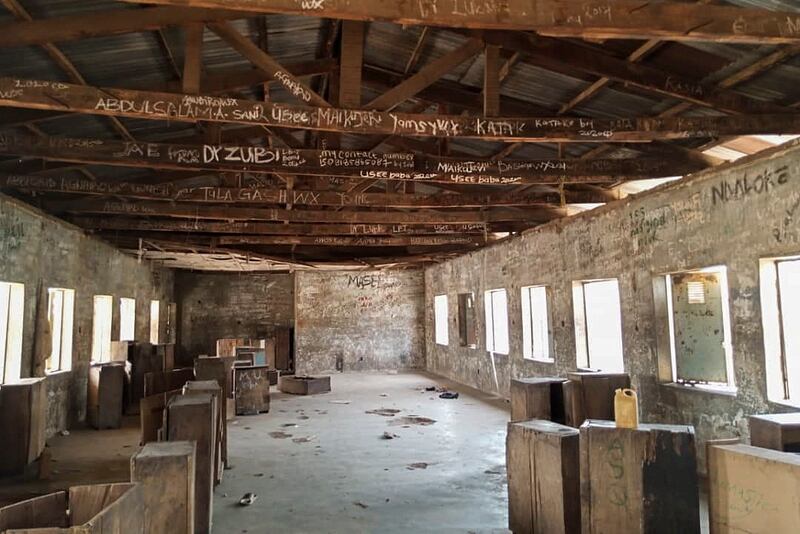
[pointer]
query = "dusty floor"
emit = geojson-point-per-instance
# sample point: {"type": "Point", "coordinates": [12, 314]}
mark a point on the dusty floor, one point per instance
{"type": "Point", "coordinates": [444, 476]}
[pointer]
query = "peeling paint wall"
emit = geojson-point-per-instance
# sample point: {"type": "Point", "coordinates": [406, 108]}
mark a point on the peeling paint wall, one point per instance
{"type": "Point", "coordinates": [369, 320]}
{"type": "Point", "coordinates": [213, 306]}
{"type": "Point", "coordinates": [733, 217]}
{"type": "Point", "coordinates": [42, 252]}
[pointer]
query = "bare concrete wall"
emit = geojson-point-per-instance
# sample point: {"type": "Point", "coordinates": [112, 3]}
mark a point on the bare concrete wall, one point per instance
{"type": "Point", "coordinates": [681, 226]}
{"type": "Point", "coordinates": [42, 252]}
{"type": "Point", "coordinates": [212, 306]}
{"type": "Point", "coordinates": [371, 320]}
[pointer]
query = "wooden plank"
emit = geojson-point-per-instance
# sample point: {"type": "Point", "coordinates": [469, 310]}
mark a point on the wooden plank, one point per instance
{"type": "Point", "coordinates": [491, 81]}
{"type": "Point", "coordinates": [192, 418]}
{"type": "Point", "coordinates": [639, 480]}
{"type": "Point", "coordinates": [266, 63]}
{"type": "Point", "coordinates": [343, 241]}
{"type": "Point", "coordinates": [543, 478]}
{"type": "Point", "coordinates": [229, 213]}
{"type": "Point", "coordinates": [23, 408]}
{"type": "Point", "coordinates": [107, 509]}
{"type": "Point", "coordinates": [352, 57]}
{"type": "Point", "coordinates": [165, 471]}
{"type": "Point", "coordinates": [753, 490]}
{"type": "Point", "coordinates": [274, 196]}
{"type": "Point", "coordinates": [104, 395]}
{"type": "Point", "coordinates": [426, 76]}
{"type": "Point", "coordinates": [392, 165]}
{"type": "Point", "coordinates": [622, 19]}
{"type": "Point", "coordinates": [46, 511]}
{"type": "Point", "coordinates": [107, 22]}
{"type": "Point", "coordinates": [131, 103]}
{"type": "Point", "coordinates": [213, 387]}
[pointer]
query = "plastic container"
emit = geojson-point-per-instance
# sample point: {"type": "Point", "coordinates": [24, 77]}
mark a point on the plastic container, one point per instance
{"type": "Point", "coordinates": [626, 408]}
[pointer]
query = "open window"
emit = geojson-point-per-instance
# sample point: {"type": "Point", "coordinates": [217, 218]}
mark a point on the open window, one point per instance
{"type": "Point", "coordinates": [598, 325]}
{"type": "Point", "coordinates": [101, 328]}
{"type": "Point", "coordinates": [12, 302]}
{"type": "Point", "coordinates": [780, 303]}
{"type": "Point", "coordinates": [127, 319]}
{"type": "Point", "coordinates": [496, 312]}
{"type": "Point", "coordinates": [535, 324]}
{"type": "Point", "coordinates": [440, 319]}
{"type": "Point", "coordinates": [155, 313]}
{"type": "Point", "coordinates": [467, 321]}
{"type": "Point", "coordinates": [60, 314]}
{"type": "Point", "coordinates": [694, 306]}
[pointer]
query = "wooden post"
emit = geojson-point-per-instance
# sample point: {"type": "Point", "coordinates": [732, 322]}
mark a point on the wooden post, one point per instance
{"type": "Point", "coordinates": [166, 473]}
{"type": "Point", "coordinates": [543, 478]}
{"type": "Point", "coordinates": [640, 480]}
{"type": "Point", "coordinates": [537, 398]}
{"type": "Point", "coordinates": [193, 418]}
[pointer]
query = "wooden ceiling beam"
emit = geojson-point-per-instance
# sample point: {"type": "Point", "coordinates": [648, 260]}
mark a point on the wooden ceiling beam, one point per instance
{"type": "Point", "coordinates": [61, 97]}
{"type": "Point", "coordinates": [622, 19]}
{"type": "Point", "coordinates": [393, 166]}
{"type": "Point", "coordinates": [147, 208]}
{"type": "Point", "coordinates": [426, 76]}
{"type": "Point", "coordinates": [275, 196]}
{"type": "Point", "coordinates": [351, 64]}
{"type": "Point", "coordinates": [556, 53]}
{"type": "Point", "coordinates": [491, 81]}
{"type": "Point", "coordinates": [104, 23]}
{"type": "Point", "coordinates": [350, 241]}
{"type": "Point", "coordinates": [266, 63]}
{"type": "Point", "coordinates": [151, 224]}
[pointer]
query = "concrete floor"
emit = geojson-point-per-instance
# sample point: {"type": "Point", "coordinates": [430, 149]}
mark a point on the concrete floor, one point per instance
{"type": "Point", "coordinates": [347, 478]}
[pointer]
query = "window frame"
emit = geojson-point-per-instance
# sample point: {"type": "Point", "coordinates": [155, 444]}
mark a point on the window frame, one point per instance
{"type": "Point", "coordinates": [490, 321]}
{"type": "Point", "coordinates": [583, 351]}
{"type": "Point", "coordinates": [465, 325]}
{"type": "Point", "coordinates": [529, 351]}
{"type": "Point", "coordinates": [123, 328]}
{"type": "Point", "coordinates": [101, 348]}
{"type": "Point", "coordinates": [12, 314]}
{"type": "Point", "coordinates": [776, 358]}
{"type": "Point", "coordinates": [61, 345]}
{"type": "Point", "coordinates": [441, 334]}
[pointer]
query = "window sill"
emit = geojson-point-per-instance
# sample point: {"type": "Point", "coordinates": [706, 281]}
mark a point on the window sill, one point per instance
{"type": "Point", "coordinates": [786, 403]}
{"type": "Point", "coordinates": [490, 353]}
{"type": "Point", "coordinates": [536, 360]}
{"type": "Point", "coordinates": [727, 391]}
{"type": "Point", "coordinates": [60, 372]}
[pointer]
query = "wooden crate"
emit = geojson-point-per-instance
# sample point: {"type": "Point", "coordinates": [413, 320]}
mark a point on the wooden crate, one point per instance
{"type": "Point", "coordinates": [166, 473]}
{"type": "Point", "coordinates": [780, 432]}
{"type": "Point", "coordinates": [144, 360]}
{"type": "Point", "coordinates": [23, 418]}
{"type": "Point", "coordinates": [537, 398]}
{"type": "Point", "coordinates": [166, 351]}
{"type": "Point", "coordinates": [304, 385]}
{"type": "Point", "coordinates": [97, 509]}
{"type": "Point", "coordinates": [215, 368]}
{"type": "Point", "coordinates": [251, 388]}
{"type": "Point", "coordinates": [151, 415]}
{"type": "Point", "coordinates": [105, 395]}
{"type": "Point", "coordinates": [162, 381]}
{"type": "Point", "coordinates": [590, 395]}
{"type": "Point", "coordinates": [543, 478]}
{"type": "Point", "coordinates": [753, 490]}
{"type": "Point", "coordinates": [199, 387]}
{"type": "Point", "coordinates": [638, 481]}
{"type": "Point", "coordinates": [193, 418]}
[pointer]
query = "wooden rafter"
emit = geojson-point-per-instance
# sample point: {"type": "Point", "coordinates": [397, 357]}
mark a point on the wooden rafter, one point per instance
{"type": "Point", "coordinates": [622, 19]}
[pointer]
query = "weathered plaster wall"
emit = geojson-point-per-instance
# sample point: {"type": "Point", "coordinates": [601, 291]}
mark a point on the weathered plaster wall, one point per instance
{"type": "Point", "coordinates": [41, 252]}
{"type": "Point", "coordinates": [371, 320]}
{"type": "Point", "coordinates": [680, 226]}
{"type": "Point", "coordinates": [212, 306]}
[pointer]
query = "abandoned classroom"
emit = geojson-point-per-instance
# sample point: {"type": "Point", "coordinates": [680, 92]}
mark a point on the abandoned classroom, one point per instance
{"type": "Point", "coordinates": [352, 266]}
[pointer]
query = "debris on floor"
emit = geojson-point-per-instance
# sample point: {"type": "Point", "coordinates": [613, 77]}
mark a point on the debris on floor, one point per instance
{"type": "Point", "coordinates": [289, 425]}
{"type": "Point", "coordinates": [303, 417]}
{"type": "Point", "coordinates": [449, 395]}
{"type": "Point", "coordinates": [279, 435]}
{"type": "Point", "coordinates": [384, 395]}
{"type": "Point", "coordinates": [389, 435]}
{"type": "Point", "coordinates": [340, 402]}
{"type": "Point", "coordinates": [412, 420]}
{"type": "Point", "coordinates": [417, 465]}
{"type": "Point", "coordinates": [386, 412]}
{"type": "Point", "coordinates": [304, 439]}
{"type": "Point", "coordinates": [360, 504]}
{"type": "Point", "coordinates": [248, 499]}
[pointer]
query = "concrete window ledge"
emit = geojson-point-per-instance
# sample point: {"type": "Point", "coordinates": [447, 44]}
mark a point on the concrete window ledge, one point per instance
{"type": "Point", "coordinates": [709, 390]}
